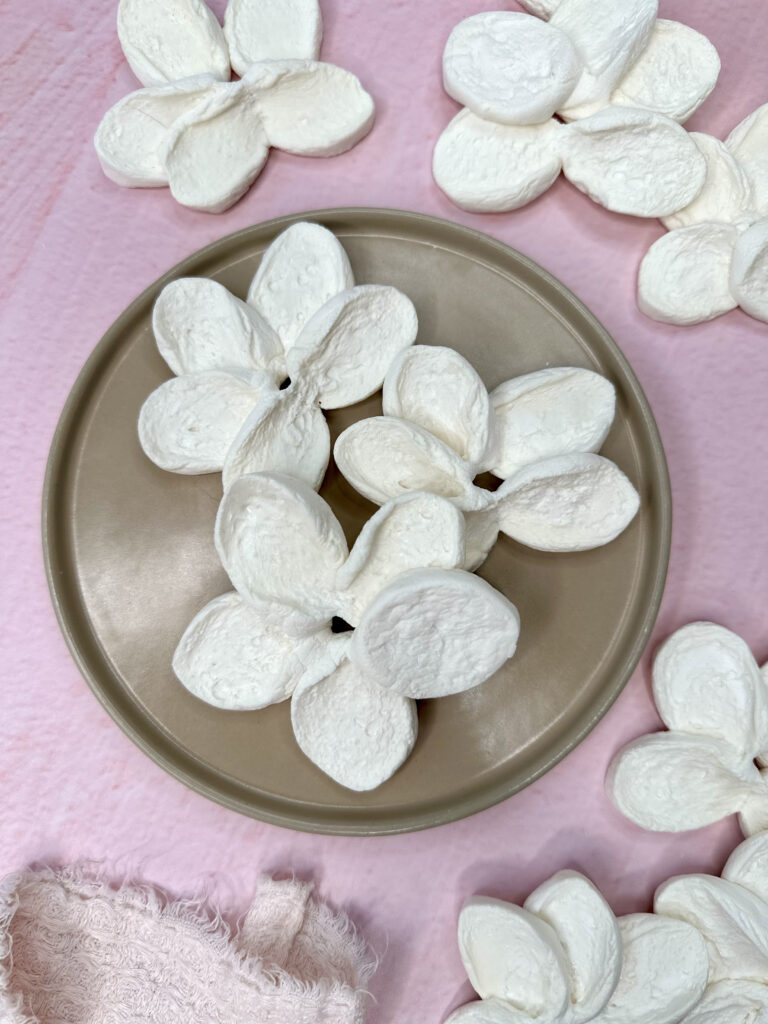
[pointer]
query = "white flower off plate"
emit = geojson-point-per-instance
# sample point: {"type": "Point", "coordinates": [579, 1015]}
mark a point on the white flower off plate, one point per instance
{"type": "Point", "coordinates": [131, 559]}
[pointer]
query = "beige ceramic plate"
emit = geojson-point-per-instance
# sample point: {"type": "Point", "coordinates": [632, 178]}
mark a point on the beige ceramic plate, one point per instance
{"type": "Point", "coordinates": [130, 556]}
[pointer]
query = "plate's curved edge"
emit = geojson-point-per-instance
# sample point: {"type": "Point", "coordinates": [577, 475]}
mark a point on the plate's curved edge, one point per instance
{"type": "Point", "coordinates": [176, 762]}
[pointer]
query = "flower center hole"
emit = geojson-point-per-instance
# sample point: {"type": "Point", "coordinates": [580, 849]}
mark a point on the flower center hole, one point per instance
{"type": "Point", "coordinates": [487, 481]}
{"type": "Point", "coordinates": [286, 384]}
{"type": "Point", "coordinates": [339, 625]}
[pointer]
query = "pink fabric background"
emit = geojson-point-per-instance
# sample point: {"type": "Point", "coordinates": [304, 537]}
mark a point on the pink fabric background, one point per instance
{"type": "Point", "coordinates": [77, 249]}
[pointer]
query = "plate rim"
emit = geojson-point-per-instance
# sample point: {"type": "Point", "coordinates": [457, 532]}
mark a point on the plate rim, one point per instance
{"type": "Point", "coordinates": [168, 753]}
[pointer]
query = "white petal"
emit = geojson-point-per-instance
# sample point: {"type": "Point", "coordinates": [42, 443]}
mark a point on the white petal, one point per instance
{"type": "Point", "coordinates": [131, 139]}
{"type": "Point", "coordinates": [279, 541]}
{"type": "Point", "coordinates": [684, 277]}
{"type": "Point", "coordinates": [433, 632]}
{"type": "Point", "coordinates": [355, 732]}
{"type": "Point", "coordinates": [310, 108]}
{"type": "Point", "coordinates": [749, 144]}
{"type": "Point", "coordinates": [673, 75]}
{"type": "Point", "coordinates": [748, 865]}
{"type": "Point", "coordinates": [633, 161]}
{"type": "Point", "coordinates": [510, 954]}
{"type": "Point", "coordinates": [489, 167]}
{"type": "Point", "coordinates": [439, 390]}
{"type": "Point", "coordinates": [569, 503]}
{"type": "Point", "coordinates": [731, 1002]}
{"type": "Point", "coordinates": [706, 681]}
{"type": "Point", "coordinates": [200, 325]}
{"type": "Point", "coordinates": [481, 533]}
{"type": "Point", "coordinates": [727, 193]}
{"type": "Point", "coordinates": [188, 424]}
{"type": "Point", "coordinates": [239, 657]}
{"type": "Point", "coordinates": [509, 67]}
{"type": "Point", "coordinates": [215, 152]}
{"type": "Point", "coordinates": [753, 816]}
{"type": "Point", "coordinates": [550, 412]}
{"type": "Point", "coordinates": [258, 30]}
{"type": "Point", "coordinates": [166, 41]}
{"type": "Point", "coordinates": [541, 8]}
{"type": "Point", "coordinates": [413, 531]}
{"type": "Point", "coordinates": [301, 270]}
{"type": "Point", "coordinates": [670, 782]}
{"type": "Point", "coordinates": [285, 433]}
{"type": "Point", "coordinates": [733, 921]}
{"type": "Point", "coordinates": [489, 1011]}
{"type": "Point", "coordinates": [383, 457]}
{"type": "Point", "coordinates": [347, 346]}
{"type": "Point", "coordinates": [609, 36]}
{"type": "Point", "coordinates": [749, 270]}
{"type": "Point", "coordinates": [589, 935]}
{"type": "Point", "coordinates": [664, 972]}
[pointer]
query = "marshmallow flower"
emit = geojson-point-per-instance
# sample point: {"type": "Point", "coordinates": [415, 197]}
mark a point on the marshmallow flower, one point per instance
{"type": "Point", "coordinates": [538, 433]}
{"type": "Point", "coordinates": [303, 323]}
{"type": "Point", "coordinates": [715, 256]}
{"type": "Point", "coordinates": [414, 625]}
{"type": "Point", "coordinates": [208, 138]}
{"type": "Point", "coordinates": [711, 763]}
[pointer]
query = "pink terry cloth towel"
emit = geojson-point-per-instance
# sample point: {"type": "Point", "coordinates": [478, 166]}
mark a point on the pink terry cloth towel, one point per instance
{"type": "Point", "coordinates": [73, 950]}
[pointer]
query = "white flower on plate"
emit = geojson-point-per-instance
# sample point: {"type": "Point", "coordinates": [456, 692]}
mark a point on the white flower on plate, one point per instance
{"type": "Point", "coordinates": [713, 699]}
{"type": "Point", "coordinates": [204, 136]}
{"type": "Point", "coordinates": [715, 256]}
{"type": "Point", "coordinates": [563, 958]}
{"type": "Point", "coordinates": [303, 322]}
{"type": "Point", "coordinates": [538, 433]}
{"type": "Point", "coordinates": [422, 628]}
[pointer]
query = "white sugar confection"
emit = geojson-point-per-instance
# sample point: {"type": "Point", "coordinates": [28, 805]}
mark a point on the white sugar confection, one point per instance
{"type": "Point", "coordinates": [487, 167]}
{"type": "Point", "coordinates": [357, 733]}
{"type": "Point", "coordinates": [165, 40]}
{"type": "Point", "coordinates": [684, 277]}
{"type": "Point", "coordinates": [589, 935]}
{"type": "Point", "coordinates": [673, 75]}
{"type": "Point", "coordinates": [261, 31]}
{"type": "Point", "coordinates": [748, 865]}
{"type": "Point", "coordinates": [731, 1002]}
{"type": "Point", "coordinates": [633, 161]}
{"type": "Point", "coordinates": [130, 140]}
{"type": "Point", "coordinates": [481, 533]}
{"type": "Point", "coordinates": [749, 144]}
{"type": "Point", "coordinates": [550, 412]}
{"type": "Point", "coordinates": [543, 9]}
{"type": "Point", "coordinates": [509, 67]}
{"type": "Point", "coordinates": [301, 270]}
{"type": "Point", "coordinates": [488, 1011]}
{"type": "Point", "coordinates": [749, 270]}
{"type": "Point", "coordinates": [727, 192]}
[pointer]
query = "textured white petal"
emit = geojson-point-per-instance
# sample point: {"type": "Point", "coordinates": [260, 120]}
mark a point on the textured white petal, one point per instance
{"type": "Point", "coordinates": [310, 108]}
{"type": "Point", "coordinates": [215, 151]}
{"type": "Point", "coordinates": [706, 681]}
{"type": "Point", "coordinates": [748, 865]}
{"type": "Point", "coordinates": [413, 531]}
{"type": "Point", "coordinates": [684, 276]}
{"type": "Point", "coordinates": [131, 138]}
{"type": "Point", "coordinates": [541, 8]}
{"type": "Point", "coordinates": [439, 390]}
{"type": "Point", "coordinates": [664, 972]}
{"type": "Point", "coordinates": [279, 541]}
{"type": "Point", "coordinates": [489, 167]}
{"type": "Point", "coordinates": [240, 657]}
{"type": "Point", "coordinates": [347, 346]}
{"type": "Point", "coordinates": [481, 533]}
{"type": "Point", "coordinates": [749, 144]}
{"type": "Point", "coordinates": [285, 433]}
{"type": "Point", "coordinates": [433, 632]}
{"type": "Point", "coordinates": [509, 67]}
{"type": "Point", "coordinates": [272, 30]}
{"type": "Point", "coordinates": [673, 75]}
{"type": "Point", "coordinates": [187, 425]}
{"type": "Point", "coordinates": [200, 325]}
{"type": "Point", "coordinates": [753, 816]}
{"type": "Point", "coordinates": [550, 412]}
{"type": "Point", "coordinates": [731, 1002]}
{"type": "Point", "coordinates": [511, 954]}
{"type": "Point", "coordinates": [589, 935]}
{"type": "Point", "coordinates": [384, 457]}
{"type": "Point", "coordinates": [609, 36]}
{"type": "Point", "coordinates": [489, 1011]}
{"type": "Point", "coordinates": [633, 161]}
{"type": "Point", "coordinates": [671, 782]}
{"type": "Point", "coordinates": [749, 270]}
{"type": "Point", "coordinates": [568, 503]}
{"type": "Point", "coordinates": [354, 731]}
{"type": "Point", "coordinates": [301, 270]}
{"type": "Point", "coordinates": [173, 39]}
{"type": "Point", "coordinates": [727, 193]}
{"type": "Point", "coordinates": [733, 921]}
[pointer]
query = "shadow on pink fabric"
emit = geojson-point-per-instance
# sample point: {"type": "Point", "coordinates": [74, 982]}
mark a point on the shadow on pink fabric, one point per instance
{"type": "Point", "coordinates": [73, 949]}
